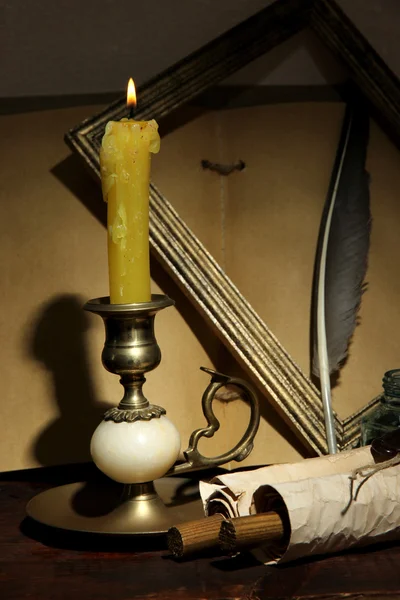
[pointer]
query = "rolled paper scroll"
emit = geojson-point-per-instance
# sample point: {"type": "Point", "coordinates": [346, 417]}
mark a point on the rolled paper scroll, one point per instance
{"type": "Point", "coordinates": [317, 495]}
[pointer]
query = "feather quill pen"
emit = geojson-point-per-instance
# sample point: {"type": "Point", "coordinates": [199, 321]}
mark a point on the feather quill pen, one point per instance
{"type": "Point", "coordinates": [341, 259]}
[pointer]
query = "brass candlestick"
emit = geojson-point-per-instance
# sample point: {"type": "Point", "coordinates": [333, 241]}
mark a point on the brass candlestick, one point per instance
{"type": "Point", "coordinates": [136, 443]}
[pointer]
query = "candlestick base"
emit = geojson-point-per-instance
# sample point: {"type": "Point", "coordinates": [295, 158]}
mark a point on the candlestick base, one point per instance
{"type": "Point", "coordinates": [141, 509]}
{"type": "Point", "coordinates": [136, 443]}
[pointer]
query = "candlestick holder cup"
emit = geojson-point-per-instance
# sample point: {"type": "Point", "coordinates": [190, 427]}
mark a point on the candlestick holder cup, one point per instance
{"type": "Point", "coordinates": [136, 443]}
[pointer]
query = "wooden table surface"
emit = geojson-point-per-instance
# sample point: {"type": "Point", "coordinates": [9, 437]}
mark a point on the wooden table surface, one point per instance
{"type": "Point", "coordinates": [41, 563]}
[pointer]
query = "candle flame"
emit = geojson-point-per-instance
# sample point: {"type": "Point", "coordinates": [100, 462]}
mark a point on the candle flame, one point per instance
{"type": "Point", "coordinates": [131, 94]}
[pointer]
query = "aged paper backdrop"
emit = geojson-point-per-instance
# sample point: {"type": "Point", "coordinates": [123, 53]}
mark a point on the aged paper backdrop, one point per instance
{"type": "Point", "coordinates": [261, 224]}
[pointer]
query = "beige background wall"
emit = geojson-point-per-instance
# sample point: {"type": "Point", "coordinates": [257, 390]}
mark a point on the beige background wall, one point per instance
{"type": "Point", "coordinates": [53, 242]}
{"type": "Point", "coordinates": [261, 224]}
{"type": "Point", "coordinates": [53, 386]}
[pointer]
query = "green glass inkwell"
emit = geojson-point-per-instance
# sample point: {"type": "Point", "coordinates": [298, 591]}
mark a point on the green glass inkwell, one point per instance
{"type": "Point", "coordinates": [386, 416]}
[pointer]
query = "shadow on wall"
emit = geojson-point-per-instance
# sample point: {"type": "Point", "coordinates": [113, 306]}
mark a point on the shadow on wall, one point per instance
{"type": "Point", "coordinates": [58, 341]}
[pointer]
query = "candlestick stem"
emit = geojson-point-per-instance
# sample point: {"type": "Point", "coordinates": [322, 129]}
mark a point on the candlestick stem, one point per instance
{"type": "Point", "coordinates": [133, 396]}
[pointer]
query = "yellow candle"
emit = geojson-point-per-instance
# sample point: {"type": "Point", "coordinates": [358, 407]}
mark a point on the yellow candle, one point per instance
{"type": "Point", "coordinates": [125, 176]}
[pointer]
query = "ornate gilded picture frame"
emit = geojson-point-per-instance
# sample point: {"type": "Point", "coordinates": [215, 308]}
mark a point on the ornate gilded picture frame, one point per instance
{"type": "Point", "coordinates": [177, 248]}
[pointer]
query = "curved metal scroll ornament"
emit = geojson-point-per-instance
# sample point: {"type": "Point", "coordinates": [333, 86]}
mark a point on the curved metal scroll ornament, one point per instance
{"type": "Point", "coordinates": [195, 460]}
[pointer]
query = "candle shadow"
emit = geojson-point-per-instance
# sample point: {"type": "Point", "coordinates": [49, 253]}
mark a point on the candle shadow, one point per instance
{"type": "Point", "coordinates": [72, 174]}
{"type": "Point", "coordinates": [58, 342]}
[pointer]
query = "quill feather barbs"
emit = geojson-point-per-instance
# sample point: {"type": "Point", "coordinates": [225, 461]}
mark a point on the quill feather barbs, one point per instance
{"type": "Point", "coordinates": [341, 260]}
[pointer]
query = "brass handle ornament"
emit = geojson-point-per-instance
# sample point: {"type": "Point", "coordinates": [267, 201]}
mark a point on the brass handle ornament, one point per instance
{"type": "Point", "coordinates": [194, 459]}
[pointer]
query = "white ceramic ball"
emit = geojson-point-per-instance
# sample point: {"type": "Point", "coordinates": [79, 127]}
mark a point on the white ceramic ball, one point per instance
{"type": "Point", "coordinates": [135, 452]}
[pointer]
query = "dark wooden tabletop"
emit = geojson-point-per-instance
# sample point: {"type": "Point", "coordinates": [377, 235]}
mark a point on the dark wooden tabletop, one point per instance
{"type": "Point", "coordinates": [41, 563]}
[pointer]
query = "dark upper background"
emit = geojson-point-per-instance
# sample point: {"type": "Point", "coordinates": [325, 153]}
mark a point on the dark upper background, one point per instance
{"type": "Point", "coordinates": [89, 47]}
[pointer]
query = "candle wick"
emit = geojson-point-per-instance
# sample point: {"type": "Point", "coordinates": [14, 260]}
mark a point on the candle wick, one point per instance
{"type": "Point", "coordinates": [131, 111]}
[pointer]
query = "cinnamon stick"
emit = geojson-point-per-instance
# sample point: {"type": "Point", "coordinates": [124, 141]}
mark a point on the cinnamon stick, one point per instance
{"type": "Point", "coordinates": [249, 532]}
{"type": "Point", "coordinates": [221, 535]}
{"type": "Point", "coordinates": [195, 537]}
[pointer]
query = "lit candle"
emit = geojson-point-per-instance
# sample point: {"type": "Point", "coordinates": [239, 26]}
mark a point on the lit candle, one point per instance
{"type": "Point", "coordinates": [125, 176]}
